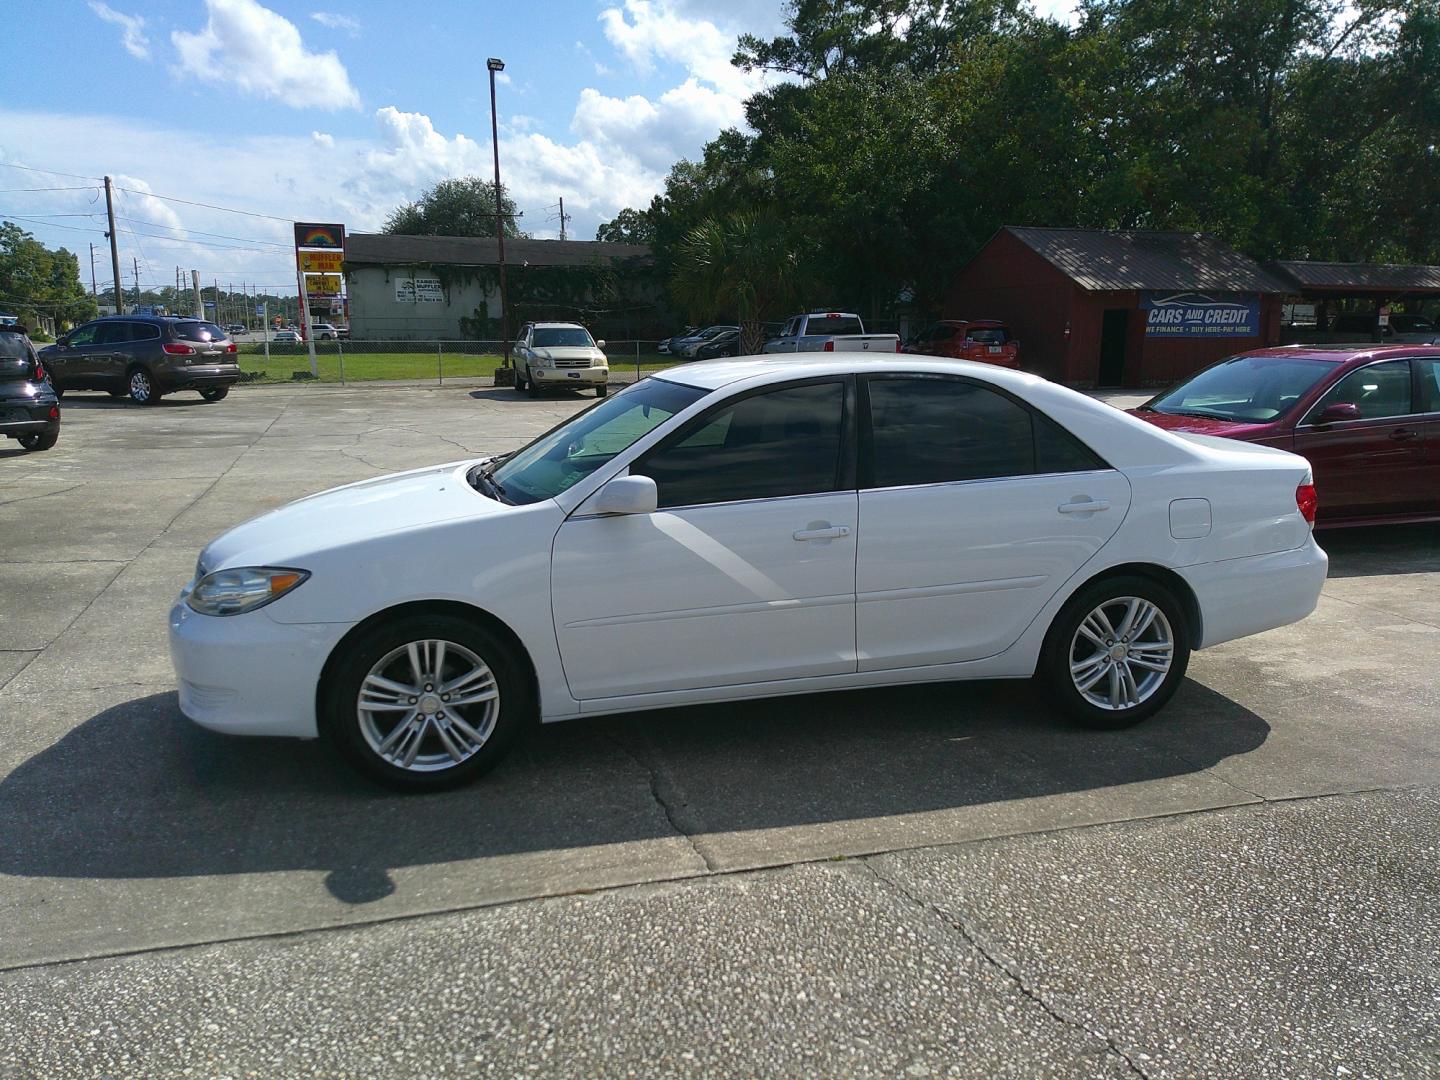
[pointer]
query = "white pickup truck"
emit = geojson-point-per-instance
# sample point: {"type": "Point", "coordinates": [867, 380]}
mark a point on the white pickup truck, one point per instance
{"type": "Point", "coordinates": [830, 331]}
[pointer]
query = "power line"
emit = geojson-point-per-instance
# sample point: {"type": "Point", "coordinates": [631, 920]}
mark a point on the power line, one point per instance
{"type": "Point", "coordinates": [50, 172]}
{"type": "Point", "coordinates": [71, 187]}
{"type": "Point", "coordinates": [218, 236]}
{"type": "Point", "coordinates": [207, 206]}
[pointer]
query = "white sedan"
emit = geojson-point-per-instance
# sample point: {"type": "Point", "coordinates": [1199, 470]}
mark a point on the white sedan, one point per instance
{"type": "Point", "coordinates": [739, 529]}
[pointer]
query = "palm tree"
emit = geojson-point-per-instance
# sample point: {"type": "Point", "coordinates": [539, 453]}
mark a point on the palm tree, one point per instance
{"type": "Point", "coordinates": [742, 262]}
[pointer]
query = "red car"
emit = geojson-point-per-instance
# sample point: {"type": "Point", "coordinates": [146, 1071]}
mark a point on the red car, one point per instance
{"type": "Point", "coordinates": [985, 340]}
{"type": "Point", "coordinates": [1366, 417]}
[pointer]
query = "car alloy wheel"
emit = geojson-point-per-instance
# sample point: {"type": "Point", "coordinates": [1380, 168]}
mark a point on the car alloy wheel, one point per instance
{"type": "Point", "coordinates": [142, 388]}
{"type": "Point", "coordinates": [1121, 653]}
{"type": "Point", "coordinates": [428, 705]}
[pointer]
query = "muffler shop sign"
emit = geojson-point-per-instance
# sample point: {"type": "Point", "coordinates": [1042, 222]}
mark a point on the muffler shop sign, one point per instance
{"type": "Point", "coordinates": [1200, 315]}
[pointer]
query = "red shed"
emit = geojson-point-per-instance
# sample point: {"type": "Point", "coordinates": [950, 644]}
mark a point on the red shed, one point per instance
{"type": "Point", "coordinates": [1095, 307]}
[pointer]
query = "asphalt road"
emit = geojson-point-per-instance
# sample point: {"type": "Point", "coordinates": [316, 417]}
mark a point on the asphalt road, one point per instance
{"type": "Point", "coordinates": [927, 881]}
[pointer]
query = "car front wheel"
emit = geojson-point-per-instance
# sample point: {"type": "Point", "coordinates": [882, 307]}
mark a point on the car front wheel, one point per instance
{"type": "Point", "coordinates": [426, 702]}
{"type": "Point", "coordinates": [1117, 652]}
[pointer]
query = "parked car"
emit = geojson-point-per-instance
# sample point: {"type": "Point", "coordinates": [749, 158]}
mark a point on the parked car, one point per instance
{"type": "Point", "coordinates": [1399, 329]}
{"type": "Point", "coordinates": [686, 346]}
{"type": "Point", "coordinates": [830, 331]}
{"type": "Point", "coordinates": [323, 331]}
{"type": "Point", "coordinates": [738, 529]}
{"type": "Point", "coordinates": [987, 341]}
{"type": "Point", "coordinates": [285, 337]}
{"type": "Point", "coordinates": [342, 333]}
{"type": "Point", "coordinates": [722, 344]}
{"type": "Point", "coordinates": [1366, 418]}
{"type": "Point", "coordinates": [235, 328]}
{"type": "Point", "coordinates": [663, 348]}
{"type": "Point", "coordinates": [551, 355]}
{"type": "Point", "coordinates": [145, 357]}
{"type": "Point", "coordinates": [29, 409]}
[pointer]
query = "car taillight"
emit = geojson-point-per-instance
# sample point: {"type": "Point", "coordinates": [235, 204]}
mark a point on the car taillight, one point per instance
{"type": "Point", "coordinates": [1306, 502]}
{"type": "Point", "coordinates": [230, 347]}
{"type": "Point", "coordinates": [54, 412]}
{"type": "Point", "coordinates": [39, 372]}
{"type": "Point", "coordinates": [829, 346]}
{"type": "Point", "coordinates": [175, 348]}
{"type": "Point", "coordinates": [897, 344]}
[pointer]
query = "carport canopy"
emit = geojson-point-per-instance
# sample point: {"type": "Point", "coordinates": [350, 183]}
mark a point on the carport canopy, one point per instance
{"type": "Point", "coordinates": [1344, 280]}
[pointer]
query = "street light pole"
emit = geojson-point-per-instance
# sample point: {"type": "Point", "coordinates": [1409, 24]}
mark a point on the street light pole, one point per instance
{"type": "Point", "coordinates": [499, 65]}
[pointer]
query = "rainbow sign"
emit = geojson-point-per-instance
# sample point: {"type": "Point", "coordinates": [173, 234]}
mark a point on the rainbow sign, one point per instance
{"type": "Point", "coordinates": [310, 235]}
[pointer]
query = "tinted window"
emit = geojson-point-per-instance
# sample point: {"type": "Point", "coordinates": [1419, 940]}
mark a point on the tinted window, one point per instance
{"type": "Point", "coordinates": [1244, 388]}
{"type": "Point", "coordinates": [1378, 391]}
{"type": "Point", "coordinates": [989, 335]}
{"type": "Point", "coordinates": [14, 346]}
{"type": "Point", "coordinates": [112, 333]}
{"type": "Point", "coordinates": [198, 331]}
{"type": "Point", "coordinates": [1057, 451]}
{"type": "Point", "coordinates": [932, 431]}
{"type": "Point", "coordinates": [84, 335]}
{"type": "Point", "coordinates": [785, 442]}
{"type": "Point", "coordinates": [1429, 369]}
{"type": "Point", "coordinates": [1411, 324]}
{"type": "Point", "coordinates": [821, 325]}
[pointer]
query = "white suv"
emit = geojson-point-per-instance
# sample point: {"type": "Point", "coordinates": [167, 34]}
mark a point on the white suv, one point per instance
{"type": "Point", "coordinates": [556, 354]}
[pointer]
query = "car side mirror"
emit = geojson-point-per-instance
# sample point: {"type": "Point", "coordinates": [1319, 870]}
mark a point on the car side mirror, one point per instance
{"type": "Point", "coordinates": [626, 495]}
{"type": "Point", "coordinates": [600, 344]}
{"type": "Point", "coordinates": [1341, 410]}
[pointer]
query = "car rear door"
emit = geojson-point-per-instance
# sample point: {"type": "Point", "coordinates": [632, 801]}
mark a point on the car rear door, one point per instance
{"type": "Point", "coordinates": [1427, 407]}
{"type": "Point", "coordinates": [746, 571]}
{"type": "Point", "coordinates": [974, 510]}
{"type": "Point", "coordinates": [1374, 465]}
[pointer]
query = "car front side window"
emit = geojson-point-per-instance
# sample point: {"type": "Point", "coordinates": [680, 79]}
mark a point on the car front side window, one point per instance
{"type": "Point", "coordinates": [85, 335]}
{"type": "Point", "coordinates": [1378, 391]}
{"type": "Point", "coordinates": [768, 445]}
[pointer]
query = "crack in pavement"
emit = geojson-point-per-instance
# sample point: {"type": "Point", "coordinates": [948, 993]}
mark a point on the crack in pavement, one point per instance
{"type": "Point", "coordinates": [42, 495]}
{"type": "Point", "coordinates": [1025, 990]}
{"type": "Point", "coordinates": [662, 800]}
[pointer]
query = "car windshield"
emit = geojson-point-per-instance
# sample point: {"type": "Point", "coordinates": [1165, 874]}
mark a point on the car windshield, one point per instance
{"type": "Point", "coordinates": [713, 332]}
{"type": "Point", "coordinates": [1244, 388]}
{"type": "Point", "coordinates": [563, 337]}
{"type": "Point", "coordinates": [567, 454]}
{"type": "Point", "coordinates": [198, 331]}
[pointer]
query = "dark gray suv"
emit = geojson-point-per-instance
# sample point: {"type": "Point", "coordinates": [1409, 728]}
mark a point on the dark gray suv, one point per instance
{"type": "Point", "coordinates": [145, 357]}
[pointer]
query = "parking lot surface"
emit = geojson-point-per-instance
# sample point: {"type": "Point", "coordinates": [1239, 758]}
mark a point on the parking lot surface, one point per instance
{"type": "Point", "coordinates": [923, 881]}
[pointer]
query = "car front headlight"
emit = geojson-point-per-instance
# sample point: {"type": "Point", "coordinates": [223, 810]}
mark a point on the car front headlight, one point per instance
{"type": "Point", "coordinates": [540, 359]}
{"type": "Point", "coordinates": [245, 588]}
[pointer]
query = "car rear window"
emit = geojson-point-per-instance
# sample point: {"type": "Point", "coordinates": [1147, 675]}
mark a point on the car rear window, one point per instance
{"type": "Point", "coordinates": [822, 325]}
{"type": "Point", "coordinates": [12, 346]}
{"type": "Point", "coordinates": [198, 331]}
{"type": "Point", "coordinates": [988, 335]}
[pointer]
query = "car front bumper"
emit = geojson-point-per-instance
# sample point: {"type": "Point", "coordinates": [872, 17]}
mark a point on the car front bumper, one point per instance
{"type": "Point", "coordinates": [570, 376]}
{"type": "Point", "coordinates": [1239, 597]}
{"type": "Point", "coordinates": [248, 674]}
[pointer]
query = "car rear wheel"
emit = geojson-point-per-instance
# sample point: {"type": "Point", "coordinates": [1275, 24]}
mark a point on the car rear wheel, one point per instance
{"type": "Point", "coordinates": [38, 440]}
{"type": "Point", "coordinates": [426, 702]}
{"type": "Point", "coordinates": [1117, 652]}
{"type": "Point", "coordinates": [143, 390]}
{"type": "Point", "coordinates": [215, 393]}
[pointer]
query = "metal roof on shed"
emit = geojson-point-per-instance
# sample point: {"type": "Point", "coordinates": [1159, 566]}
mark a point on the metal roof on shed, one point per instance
{"type": "Point", "coordinates": [383, 248]}
{"type": "Point", "coordinates": [1344, 275]}
{"type": "Point", "coordinates": [1105, 259]}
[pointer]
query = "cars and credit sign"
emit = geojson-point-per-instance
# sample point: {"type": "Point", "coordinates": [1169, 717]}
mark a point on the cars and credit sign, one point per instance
{"type": "Point", "coordinates": [1200, 315]}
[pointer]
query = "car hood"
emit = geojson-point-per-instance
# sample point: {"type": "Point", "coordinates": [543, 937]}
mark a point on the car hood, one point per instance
{"type": "Point", "coordinates": [344, 515]}
{"type": "Point", "coordinates": [1202, 425]}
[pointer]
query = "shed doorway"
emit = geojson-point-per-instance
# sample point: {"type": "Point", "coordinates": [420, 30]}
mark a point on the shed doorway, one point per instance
{"type": "Point", "coordinates": [1114, 333]}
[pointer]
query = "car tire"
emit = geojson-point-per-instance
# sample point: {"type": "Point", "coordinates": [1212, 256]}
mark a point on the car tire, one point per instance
{"type": "Point", "coordinates": [603, 390]}
{"type": "Point", "coordinates": [1105, 674]}
{"type": "Point", "coordinates": [142, 388]}
{"type": "Point", "coordinates": [519, 381]}
{"type": "Point", "coordinates": [378, 745]}
{"type": "Point", "coordinates": [38, 440]}
{"type": "Point", "coordinates": [531, 387]}
{"type": "Point", "coordinates": [215, 393]}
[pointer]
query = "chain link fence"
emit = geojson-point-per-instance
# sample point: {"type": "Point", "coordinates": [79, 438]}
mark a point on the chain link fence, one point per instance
{"type": "Point", "coordinates": [438, 362]}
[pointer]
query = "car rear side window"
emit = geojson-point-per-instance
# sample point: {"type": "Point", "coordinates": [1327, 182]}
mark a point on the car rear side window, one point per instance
{"type": "Point", "coordinates": [936, 431]}
{"type": "Point", "coordinates": [765, 446]}
{"type": "Point", "coordinates": [142, 331]}
{"type": "Point", "coordinates": [112, 333]}
{"type": "Point", "coordinates": [198, 331]}
{"type": "Point", "coordinates": [1428, 368]}
{"type": "Point", "coordinates": [1379, 391]}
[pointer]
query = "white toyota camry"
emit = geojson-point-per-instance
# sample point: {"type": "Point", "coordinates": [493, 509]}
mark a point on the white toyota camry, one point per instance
{"type": "Point", "coordinates": [740, 529]}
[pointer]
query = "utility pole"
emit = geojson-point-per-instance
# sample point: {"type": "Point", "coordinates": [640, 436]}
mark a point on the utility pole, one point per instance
{"type": "Point", "coordinates": [94, 292]}
{"type": "Point", "coordinates": [563, 217]}
{"type": "Point", "coordinates": [114, 249]}
{"type": "Point", "coordinates": [135, 264]}
{"type": "Point", "coordinates": [499, 65]}
{"type": "Point", "coordinates": [195, 285]}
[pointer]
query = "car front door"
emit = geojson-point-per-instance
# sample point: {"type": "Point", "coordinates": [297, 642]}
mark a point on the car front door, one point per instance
{"type": "Point", "coordinates": [1427, 408]}
{"type": "Point", "coordinates": [746, 571]}
{"type": "Point", "coordinates": [1374, 464]}
{"type": "Point", "coordinates": [974, 510]}
{"type": "Point", "coordinates": [74, 361]}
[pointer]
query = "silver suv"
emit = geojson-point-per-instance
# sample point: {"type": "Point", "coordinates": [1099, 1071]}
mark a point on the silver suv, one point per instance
{"type": "Point", "coordinates": [144, 356]}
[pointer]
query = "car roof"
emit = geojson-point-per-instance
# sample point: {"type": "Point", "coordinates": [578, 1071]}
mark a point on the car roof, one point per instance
{"type": "Point", "coordinates": [971, 322]}
{"type": "Point", "coordinates": [713, 374]}
{"type": "Point", "coordinates": [558, 325]}
{"type": "Point", "coordinates": [1341, 352]}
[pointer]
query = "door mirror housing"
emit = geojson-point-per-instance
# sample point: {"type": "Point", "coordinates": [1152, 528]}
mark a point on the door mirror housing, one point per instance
{"type": "Point", "coordinates": [600, 344]}
{"type": "Point", "coordinates": [626, 495]}
{"type": "Point", "coordinates": [1341, 410]}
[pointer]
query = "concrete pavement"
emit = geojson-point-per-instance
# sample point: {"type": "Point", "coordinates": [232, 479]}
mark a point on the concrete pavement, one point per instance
{"type": "Point", "coordinates": [125, 830]}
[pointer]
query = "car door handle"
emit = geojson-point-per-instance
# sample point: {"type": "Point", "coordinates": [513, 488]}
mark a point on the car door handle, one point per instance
{"type": "Point", "coordinates": [1404, 434]}
{"type": "Point", "coordinates": [1084, 506]}
{"type": "Point", "coordinates": [823, 532]}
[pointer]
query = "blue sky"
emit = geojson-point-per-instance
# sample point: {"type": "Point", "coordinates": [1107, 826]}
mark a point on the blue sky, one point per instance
{"type": "Point", "coordinates": [333, 110]}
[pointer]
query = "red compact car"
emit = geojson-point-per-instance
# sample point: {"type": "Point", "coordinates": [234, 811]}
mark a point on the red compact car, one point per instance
{"type": "Point", "coordinates": [985, 340]}
{"type": "Point", "coordinates": [1366, 417]}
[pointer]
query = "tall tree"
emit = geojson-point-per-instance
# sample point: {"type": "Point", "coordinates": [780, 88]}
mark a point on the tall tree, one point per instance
{"type": "Point", "coordinates": [462, 206]}
{"type": "Point", "coordinates": [35, 280]}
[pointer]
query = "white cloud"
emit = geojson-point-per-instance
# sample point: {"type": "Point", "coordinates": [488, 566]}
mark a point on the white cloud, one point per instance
{"type": "Point", "coordinates": [333, 21]}
{"type": "Point", "coordinates": [320, 138]}
{"type": "Point", "coordinates": [132, 29]}
{"type": "Point", "coordinates": [646, 31]}
{"type": "Point", "coordinates": [655, 133]}
{"type": "Point", "coordinates": [260, 52]}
